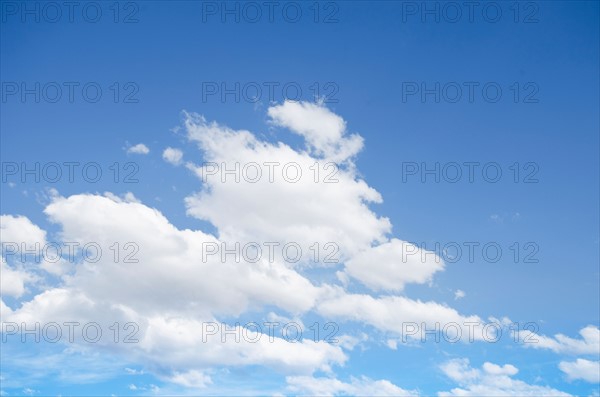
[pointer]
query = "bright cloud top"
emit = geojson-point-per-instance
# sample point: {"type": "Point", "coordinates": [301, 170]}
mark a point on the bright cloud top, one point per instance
{"type": "Point", "coordinates": [140, 148]}
{"type": "Point", "coordinates": [172, 156]}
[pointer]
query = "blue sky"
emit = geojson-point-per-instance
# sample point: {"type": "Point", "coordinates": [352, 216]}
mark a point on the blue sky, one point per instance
{"type": "Point", "coordinates": [362, 59]}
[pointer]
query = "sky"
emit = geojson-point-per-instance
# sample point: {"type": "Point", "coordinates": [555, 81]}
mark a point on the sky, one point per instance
{"type": "Point", "coordinates": [300, 198]}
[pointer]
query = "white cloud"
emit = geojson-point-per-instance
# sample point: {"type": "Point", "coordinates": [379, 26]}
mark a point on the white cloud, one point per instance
{"type": "Point", "coordinates": [323, 130]}
{"type": "Point", "coordinates": [125, 198]}
{"type": "Point", "coordinates": [391, 265]}
{"type": "Point", "coordinates": [18, 237]}
{"type": "Point", "coordinates": [491, 380]}
{"type": "Point", "coordinates": [363, 386]}
{"type": "Point", "coordinates": [168, 256]}
{"type": "Point", "coordinates": [171, 270]}
{"type": "Point", "coordinates": [303, 212]}
{"type": "Point", "coordinates": [140, 148]}
{"type": "Point", "coordinates": [586, 370]}
{"type": "Point", "coordinates": [172, 156]}
{"type": "Point", "coordinates": [171, 288]}
{"type": "Point", "coordinates": [402, 316]}
{"type": "Point", "coordinates": [588, 344]}
{"type": "Point", "coordinates": [191, 379]}
{"type": "Point", "coordinates": [21, 230]}
{"type": "Point", "coordinates": [13, 281]}
{"type": "Point", "coordinates": [459, 294]}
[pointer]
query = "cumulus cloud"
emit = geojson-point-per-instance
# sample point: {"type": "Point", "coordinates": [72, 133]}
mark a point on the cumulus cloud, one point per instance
{"type": "Point", "coordinates": [589, 343]}
{"type": "Point", "coordinates": [191, 379]}
{"type": "Point", "coordinates": [391, 265]}
{"type": "Point", "coordinates": [172, 285]}
{"type": "Point", "coordinates": [140, 148]}
{"type": "Point", "coordinates": [363, 386]}
{"type": "Point", "coordinates": [169, 291]}
{"type": "Point", "coordinates": [172, 156]}
{"type": "Point", "coordinates": [583, 369]}
{"type": "Point", "coordinates": [491, 380]}
{"type": "Point", "coordinates": [275, 209]}
{"type": "Point", "coordinates": [402, 316]}
{"type": "Point", "coordinates": [21, 230]}
{"type": "Point", "coordinates": [13, 281]}
{"type": "Point", "coordinates": [323, 130]}
{"type": "Point", "coordinates": [166, 255]}
{"type": "Point", "coordinates": [19, 237]}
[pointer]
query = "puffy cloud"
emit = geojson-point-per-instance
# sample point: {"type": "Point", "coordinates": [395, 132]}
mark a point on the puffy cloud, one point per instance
{"type": "Point", "coordinates": [165, 281]}
{"type": "Point", "coordinates": [363, 386]}
{"type": "Point", "coordinates": [191, 379]}
{"type": "Point", "coordinates": [491, 380]}
{"type": "Point", "coordinates": [172, 156]}
{"type": "Point", "coordinates": [13, 280]}
{"type": "Point", "coordinates": [460, 371]}
{"type": "Point", "coordinates": [170, 290]}
{"type": "Point", "coordinates": [323, 130]}
{"type": "Point", "coordinates": [391, 265]}
{"type": "Point", "coordinates": [20, 230]}
{"type": "Point", "coordinates": [140, 148]}
{"type": "Point", "coordinates": [177, 347]}
{"type": "Point", "coordinates": [166, 256]}
{"type": "Point", "coordinates": [583, 369]}
{"type": "Point", "coordinates": [589, 343]}
{"type": "Point", "coordinates": [280, 209]}
{"type": "Point", "coordinates": [18, 237]}
{"type": "Point", "coordinates": [403, 316]}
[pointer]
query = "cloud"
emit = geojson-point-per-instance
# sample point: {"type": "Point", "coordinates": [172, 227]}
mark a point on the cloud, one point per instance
{"type": "Point", "coordinates": [19, 237]}
{"type": "Point", "coordinates": [14, 280]}
{"type": "Point", "coordinates": [304, 211]}
{"type": "Point", "coordinates": [21, 230]}
{"type": "Point", "coordinates": [191, 379]}
{"type": "Point", "coordinates": [588, 344]}
{"type": "Point", "coordinates": [172, 156]}
{"type": "Point", "coordinates": [391, 265]}
{"type": "Point", "coordinates": [170, 292]}
{"type": "Point", "coordinates": [323, 130]}
{"type": "Point", "coordinates": [459, 294]}
{"type": "Point", "coordinates": [140, 148]}
{"type": "Point", "coordinates": [172, 287]}
{"type": "Point", "coordinates": [363, 386]}
{"type": "Point", "coordinates": [402, 316]}
{"type": "Point", "coordinates": [491, 380]}
{"type": "Point", "coordinates": [586, 370]}
{"type": "Point", "coordinates": [169, 256]}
